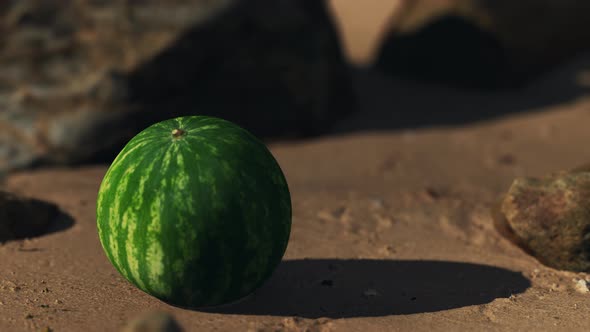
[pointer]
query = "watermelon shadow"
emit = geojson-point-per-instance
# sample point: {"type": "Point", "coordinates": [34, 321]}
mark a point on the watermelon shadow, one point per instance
{"type": "Point", "coordinates": [334, 288]}
{"type": "Point", "coordinates": [61, 222]}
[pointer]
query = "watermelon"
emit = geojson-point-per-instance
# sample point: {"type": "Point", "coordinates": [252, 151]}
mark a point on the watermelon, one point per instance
{"type": "Point", "coordinates": [194, 211]}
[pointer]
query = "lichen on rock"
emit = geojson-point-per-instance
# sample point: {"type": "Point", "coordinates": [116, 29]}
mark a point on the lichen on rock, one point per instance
{"type": "Point", "coordinates": [549, 218]}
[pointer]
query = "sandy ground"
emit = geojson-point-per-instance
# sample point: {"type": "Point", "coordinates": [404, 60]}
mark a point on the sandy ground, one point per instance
{"type": "Point", "coordinates": [362, 26]}
{"type": "Point", "coordinates": [391, 232]}
{"type": "Point", "coordinates": [391, 226]}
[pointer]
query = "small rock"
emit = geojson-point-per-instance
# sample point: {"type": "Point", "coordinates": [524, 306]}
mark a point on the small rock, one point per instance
{"type": "Point", "coordinates": [24, 217]}
{"type": "Point", "coordinates": [581, 286]}
{"type": "Point", "coordinates": [153, 322]}
{"type": "Point", "coordinates": [549, 218]}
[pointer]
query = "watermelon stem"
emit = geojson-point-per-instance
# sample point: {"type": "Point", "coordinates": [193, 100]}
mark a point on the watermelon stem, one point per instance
{"type": "Point", "coordinates": [177, 133]}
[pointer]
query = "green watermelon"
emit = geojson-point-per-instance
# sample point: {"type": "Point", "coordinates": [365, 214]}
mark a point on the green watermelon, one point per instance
{"type": "Point", "coordinates": [194, 211]}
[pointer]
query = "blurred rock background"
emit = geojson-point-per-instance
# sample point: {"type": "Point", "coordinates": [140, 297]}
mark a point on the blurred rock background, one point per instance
{"type": "Point", "coordinates": [78, 78]}
{"type": "Point", "coordinates": [483, 43]}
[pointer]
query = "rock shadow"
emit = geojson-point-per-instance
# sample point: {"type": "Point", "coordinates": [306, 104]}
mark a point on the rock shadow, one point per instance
{"type": "Point", "coordinates": [336, 288]}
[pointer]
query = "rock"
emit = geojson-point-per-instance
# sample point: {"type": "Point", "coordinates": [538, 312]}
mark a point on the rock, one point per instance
{"type": "Point", "coordinates": [153, 322]}
{"type": "Point", "coordinates": [549, 218]}
{"type": "Point", "coordinates": [24, 217]}
{"type": "Point", "coordinates": [581, 286]}
{"type": "Point", "coordinates": [79, 80]}
{"type": "Point", "coordinates": [450, 50]}
{"type": "Point", "coordinates": [482, 43]}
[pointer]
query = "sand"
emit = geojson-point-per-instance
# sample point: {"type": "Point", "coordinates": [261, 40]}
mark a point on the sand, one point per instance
{"type": "Point", "coordinates": [391, 225]}
{"type": "Point", "coordinates": [362, 26]}
{"type": "Point", "coordinates": [391, 232]}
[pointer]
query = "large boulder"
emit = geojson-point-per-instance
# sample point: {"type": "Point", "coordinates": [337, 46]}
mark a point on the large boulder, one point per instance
{"type": "Point", "coordinates": [78, 79]}
{"type": "Point", "coordinates": [482, 43]}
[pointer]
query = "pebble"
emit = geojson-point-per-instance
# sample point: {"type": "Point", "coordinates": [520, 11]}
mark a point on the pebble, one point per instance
{"type": "Point", "coordinates": [153, 322]}
{"type": "Point", "coordinates": [581, 286]}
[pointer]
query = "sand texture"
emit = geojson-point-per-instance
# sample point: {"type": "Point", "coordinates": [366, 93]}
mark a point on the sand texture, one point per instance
{"type": "Point", "coordinates": [391, 231]}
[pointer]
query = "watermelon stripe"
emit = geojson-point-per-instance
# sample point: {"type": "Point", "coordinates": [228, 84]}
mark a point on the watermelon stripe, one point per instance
{"type": "Point", "coordinates": [127, 215]}
{"type": "Point", "coordinates": [137, 202]}
{"type": "Point", "coordinates": [128, 151]}
{"type": "Point", "coordinates": [133, 231]}
{"type": "Point", "coordinates": [149, 196]}
{"type": "Point", "coordinates": [153, 256]}
{"type": "Point", "coordinates": [115, 217]}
